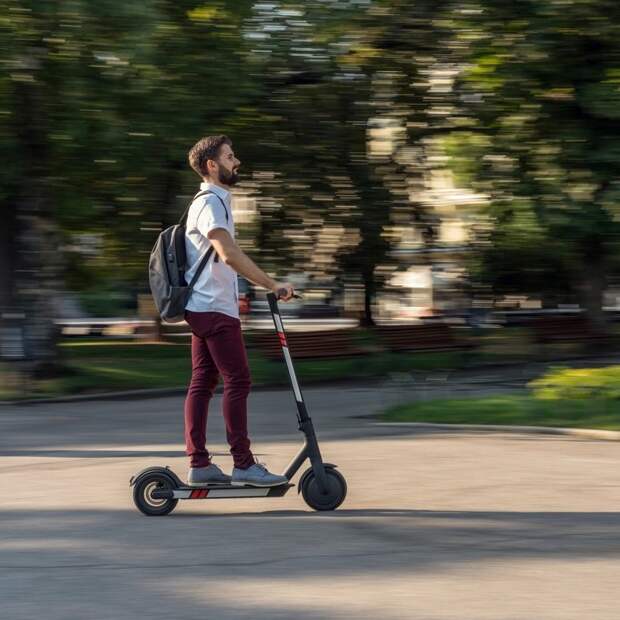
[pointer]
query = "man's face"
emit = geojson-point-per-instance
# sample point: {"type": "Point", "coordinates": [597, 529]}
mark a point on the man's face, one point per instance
{"type": "Point", "coordinates": [227, 166]}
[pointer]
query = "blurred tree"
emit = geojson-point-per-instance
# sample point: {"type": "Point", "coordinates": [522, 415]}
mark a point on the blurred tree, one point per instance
{"type": "Point", "coordinates": [30, 271]}
{"type": "Point", "coordinates": [102, 101]}
{"type": "Point", "coordinates": [94, 140]}
{"type": "Point", "coordinates": [332, 71]}
{"type": "Point", "coordinates": [542, 88]}
{"type": "Point", "coordinates": [400, 47]}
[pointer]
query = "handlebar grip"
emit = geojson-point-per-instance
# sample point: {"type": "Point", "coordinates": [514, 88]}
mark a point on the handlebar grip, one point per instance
{"type": "Point", "coordinates": [282, 292]}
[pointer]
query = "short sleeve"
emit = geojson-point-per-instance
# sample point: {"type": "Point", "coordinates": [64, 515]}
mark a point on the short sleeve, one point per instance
{"type": "Point", "coordinates": [211, 215]}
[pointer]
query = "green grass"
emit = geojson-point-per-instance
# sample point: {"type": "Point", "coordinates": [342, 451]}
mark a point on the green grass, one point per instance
{"type": "Point", "coordinates": [95, 366]}
{"type": "Point", "coordinates": [511, 409]}
{"type": "Point", "coordinates": [168, 365]}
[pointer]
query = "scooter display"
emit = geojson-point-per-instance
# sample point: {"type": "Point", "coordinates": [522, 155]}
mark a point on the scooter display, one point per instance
{"type": "Point", "coordinates": [157, 490]}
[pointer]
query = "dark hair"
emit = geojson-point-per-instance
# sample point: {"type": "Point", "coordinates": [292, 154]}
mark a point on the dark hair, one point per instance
{"type": "Point", "coordinates": [206, 148]}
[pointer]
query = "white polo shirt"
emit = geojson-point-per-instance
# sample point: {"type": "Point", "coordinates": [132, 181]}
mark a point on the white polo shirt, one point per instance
{"type": "Point", "coordinates": [216, 289]}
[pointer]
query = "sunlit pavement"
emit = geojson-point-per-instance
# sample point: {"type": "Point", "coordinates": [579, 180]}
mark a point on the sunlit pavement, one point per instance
{"type": "Point", "coordinates": [435, 526]}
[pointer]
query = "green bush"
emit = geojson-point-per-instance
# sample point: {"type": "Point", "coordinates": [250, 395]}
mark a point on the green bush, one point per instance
{"type": "Point", "coordinates": [107, 303]}
{"type": "Point", "coordinates": [578, 383]}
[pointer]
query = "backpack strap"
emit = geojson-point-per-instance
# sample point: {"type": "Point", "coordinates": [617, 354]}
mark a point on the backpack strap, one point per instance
{"type": "Point", "coordinates": [203, 263]}
{"type": "Point", "coordinates": [183, 219]}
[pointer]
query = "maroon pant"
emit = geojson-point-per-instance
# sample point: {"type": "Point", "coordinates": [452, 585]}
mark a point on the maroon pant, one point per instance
{"type": "Point", "coordinates": [217, 348]}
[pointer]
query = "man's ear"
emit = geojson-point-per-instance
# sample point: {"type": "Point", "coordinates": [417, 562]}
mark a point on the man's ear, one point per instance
{"type": "Point", "coordinates": [211, 166]}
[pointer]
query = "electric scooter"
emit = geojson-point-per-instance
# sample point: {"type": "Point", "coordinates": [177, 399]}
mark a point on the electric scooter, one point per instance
{"type": "Point", "coordinates": [157, 490]}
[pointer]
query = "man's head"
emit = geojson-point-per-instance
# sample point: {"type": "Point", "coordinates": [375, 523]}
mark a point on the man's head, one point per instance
{"type": "Point", "coordinates": [214, 160]}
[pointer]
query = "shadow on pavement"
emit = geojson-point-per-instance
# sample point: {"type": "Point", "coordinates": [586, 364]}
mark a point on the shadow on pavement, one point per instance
{"type": "Point", "coordinates": [127, 564]}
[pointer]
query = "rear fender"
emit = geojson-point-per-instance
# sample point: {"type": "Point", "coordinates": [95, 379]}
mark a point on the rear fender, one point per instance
{"type": "Point", "coordinates": [164, 471]}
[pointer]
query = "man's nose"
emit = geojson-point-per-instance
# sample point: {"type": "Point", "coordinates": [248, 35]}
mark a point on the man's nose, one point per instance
{"type": "Point", "coordinates": [238, 163]}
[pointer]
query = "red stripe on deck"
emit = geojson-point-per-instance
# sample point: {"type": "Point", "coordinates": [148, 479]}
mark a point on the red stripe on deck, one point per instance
{"type": "Point", "coordinates": [282, 339]}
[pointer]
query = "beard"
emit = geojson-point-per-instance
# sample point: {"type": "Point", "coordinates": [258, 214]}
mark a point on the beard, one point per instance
{"type": "Point", "coordinates": [227, 177]}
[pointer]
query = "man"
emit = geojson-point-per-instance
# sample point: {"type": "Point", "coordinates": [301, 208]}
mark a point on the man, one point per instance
{"type": "Point", "coordinates": [212, 312]}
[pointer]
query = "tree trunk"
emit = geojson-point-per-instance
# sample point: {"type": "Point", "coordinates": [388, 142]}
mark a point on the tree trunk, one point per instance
{"type": "Point", "coordinates": [369, 295]}
{"type": "Point", "coordinates": [34, 277]}
{"type": "Point", "coordinates": [591, 296]}
{"type": "Point", "coordinates": [8, 232]}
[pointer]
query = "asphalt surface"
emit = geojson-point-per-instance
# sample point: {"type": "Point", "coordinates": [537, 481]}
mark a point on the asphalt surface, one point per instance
{"type": "Point", "coordinates": [436, 525]}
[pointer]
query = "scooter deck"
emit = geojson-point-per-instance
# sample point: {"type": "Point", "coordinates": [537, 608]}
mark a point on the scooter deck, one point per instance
{"type": "Point", "coordinates": [221, 491]}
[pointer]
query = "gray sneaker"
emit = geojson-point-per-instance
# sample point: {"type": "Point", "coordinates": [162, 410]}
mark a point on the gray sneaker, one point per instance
{"type": "Point", "coordinates": [256, 476]}
{"type": "Point", "coordinates": [199, 476]}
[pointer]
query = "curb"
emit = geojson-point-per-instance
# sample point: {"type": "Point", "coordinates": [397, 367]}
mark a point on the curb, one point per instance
{"type": "Point", "coordinates": [124, 395]}
{"type": "Point", "coordinates": [589, 433]}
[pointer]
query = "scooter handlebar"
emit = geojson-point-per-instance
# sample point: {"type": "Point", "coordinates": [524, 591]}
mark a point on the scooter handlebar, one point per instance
{"type": "Point", "coordinates": [272, 299]}
{"type": "Point", "coordinates": [282, 292]}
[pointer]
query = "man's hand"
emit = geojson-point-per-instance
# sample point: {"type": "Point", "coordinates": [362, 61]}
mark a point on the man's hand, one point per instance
{"type": "Point", "coordinates": [287, 286]}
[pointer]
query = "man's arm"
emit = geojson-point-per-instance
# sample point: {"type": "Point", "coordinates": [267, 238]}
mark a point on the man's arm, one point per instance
{"type": "Point", "coordinates": [238, 260]}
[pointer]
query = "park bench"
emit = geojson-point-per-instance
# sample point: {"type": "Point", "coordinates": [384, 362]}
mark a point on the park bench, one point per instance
{"type": "Point", "coordinates": [435, 336]}
{"type": "Point", "coordinates": [566, 328]}
{"type": "Point", "coordinates": [305, 345]}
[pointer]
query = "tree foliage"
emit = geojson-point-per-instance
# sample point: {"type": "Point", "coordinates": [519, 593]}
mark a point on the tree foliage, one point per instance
{"type": "Point", "coordinates": [540, 89]}
{"type": "Point", "coordinates": [100, 102]}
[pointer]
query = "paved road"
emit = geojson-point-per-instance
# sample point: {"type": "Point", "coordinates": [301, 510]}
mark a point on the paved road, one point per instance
{"type": "Point", "coordinates": [437, 526]}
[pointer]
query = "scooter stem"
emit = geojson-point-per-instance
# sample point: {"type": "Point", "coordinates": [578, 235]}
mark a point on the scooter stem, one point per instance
{"type": "Point", "coordinates": [310, 449]}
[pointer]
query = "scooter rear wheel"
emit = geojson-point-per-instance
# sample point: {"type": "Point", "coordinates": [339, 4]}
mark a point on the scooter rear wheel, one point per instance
{"type": "Point", "coordinates": [143, 495]}
{"type": "Point", "coordinates": [336, 492]}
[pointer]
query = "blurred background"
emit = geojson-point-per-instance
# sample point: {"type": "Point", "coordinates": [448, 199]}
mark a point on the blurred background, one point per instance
{"type": "Point", "coordinates": [440, 179]}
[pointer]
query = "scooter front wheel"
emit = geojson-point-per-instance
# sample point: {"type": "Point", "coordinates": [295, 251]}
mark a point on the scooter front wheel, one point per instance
{"type": "Point", "coordinates": [336, 490]}
{"type": "Point", "coordinates": [143, 495]}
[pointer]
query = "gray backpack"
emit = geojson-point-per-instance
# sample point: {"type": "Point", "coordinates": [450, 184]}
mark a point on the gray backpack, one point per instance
{"type": "Point", "coordinates": [167, 265]}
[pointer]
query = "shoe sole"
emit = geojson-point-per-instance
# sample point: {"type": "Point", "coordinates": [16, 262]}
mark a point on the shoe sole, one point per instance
{"type": "Point", "coordinates": [258, 485]}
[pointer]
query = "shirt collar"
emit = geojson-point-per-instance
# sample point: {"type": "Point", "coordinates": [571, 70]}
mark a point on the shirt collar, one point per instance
{"type": "Point", "coordinates": [216, 189]}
